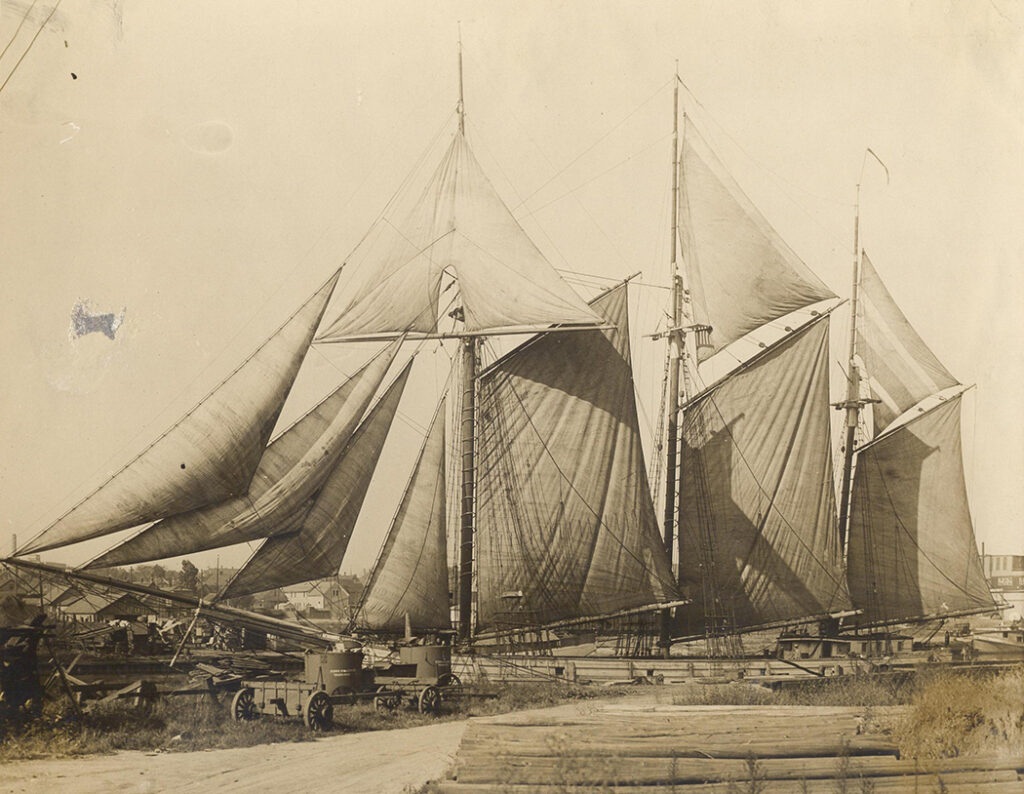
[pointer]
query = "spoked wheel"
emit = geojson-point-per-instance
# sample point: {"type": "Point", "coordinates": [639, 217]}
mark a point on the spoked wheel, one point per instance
{"type": "Point", "coordinates": [318, 713]}
{"type": "Point", "coordinates": [243, 705]}
{"type": "Point", "coordinates": [385, 702]}
{"type": "Point", "coordinates": [429, 701]}
{"type": "Point", "coordinates": [450, 681]}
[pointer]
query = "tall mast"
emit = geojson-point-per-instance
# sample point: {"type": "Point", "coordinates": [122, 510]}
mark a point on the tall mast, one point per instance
{"type": "Point", "coordinates": [676, 345]}
{"type": "Point", "coordinates": [461, 107]}
{"type": "Point", "coordinates": [853, 402]}
{"type": "Point", "coordinates": [467, 442]}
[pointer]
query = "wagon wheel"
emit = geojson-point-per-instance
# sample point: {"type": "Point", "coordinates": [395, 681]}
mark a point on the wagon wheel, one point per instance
{"type": "Point", "coordinates": [450, 681]}
{"type": "Point", "coordinates": [343, 696]}
{"type": "Point", "coordinates": [429, 701]}
{"type": "Point", "coordinates": [385, 701]}
{"type": "Point", "coordinates": [243, 705]}
{"type": "Point", "coordinates": [318, 713]}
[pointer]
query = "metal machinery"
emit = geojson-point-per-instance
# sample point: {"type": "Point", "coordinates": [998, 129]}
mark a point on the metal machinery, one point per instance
{"type": "Point", "coordinates": [337, 678]}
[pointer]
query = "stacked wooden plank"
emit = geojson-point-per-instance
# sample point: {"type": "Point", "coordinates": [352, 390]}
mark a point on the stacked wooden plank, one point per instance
{"type": "Point", "coordinates": [661, 748]}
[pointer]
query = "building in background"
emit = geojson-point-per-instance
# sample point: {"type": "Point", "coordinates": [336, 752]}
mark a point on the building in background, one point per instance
{"type": "Point", "coordinates": [1005, 574]}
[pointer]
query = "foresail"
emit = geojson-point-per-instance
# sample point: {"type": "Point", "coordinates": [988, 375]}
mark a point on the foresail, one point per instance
{"type": "Point", "coordinates": [912, 549]}
{"type": "Point", "coordinates": [410, 579]}
{"type": "Point", "coordinates": [316, 545]}
{"type": "Point", "coordinates": [210, 454]}
{"type": "Point", "coordinates": [318, 437]}
{"type": "Point", "coordinates": [742, 274]}
{"type": "Point", "coordinates": [565, 527]}
{"type": "Point", "coordinates": [901, 369]}
{"type": "Point", "coordinates": [757, 505]}
{"type": "Point", "coordinates": [457, 221]}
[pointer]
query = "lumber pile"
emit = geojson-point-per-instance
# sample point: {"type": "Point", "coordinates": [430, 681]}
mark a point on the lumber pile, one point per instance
{"type": "Point", "coordinates": [658, 748]}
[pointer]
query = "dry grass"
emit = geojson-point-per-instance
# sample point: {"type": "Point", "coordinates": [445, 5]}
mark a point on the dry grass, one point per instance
{"type": "Point", "coordinates": [196, 723]}
{"type": "Point", "coordinates": [864, 691]}
{"type": "Point", "coordinates": [184, 723]}
{"type": "Point", "coordinates": [961, 715]}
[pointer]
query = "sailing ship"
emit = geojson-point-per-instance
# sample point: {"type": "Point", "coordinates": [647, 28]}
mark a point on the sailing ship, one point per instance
{"type": "Point", "coordinates": [557, 525]}
{"type": "Point", "coordinates": [556, 510]}
{"type": "Point", "coordinates": [760, 541]}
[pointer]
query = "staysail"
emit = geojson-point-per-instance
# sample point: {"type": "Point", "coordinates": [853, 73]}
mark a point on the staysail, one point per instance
{"type": "Point", "coordinates": [210, 454]}
{"type": "Point", "coordinates": [757, 521]}
{"type": "Point", "coordinates": [293, 466]}
{"type": "Point", "coordinates": [742, 274]}
{"type": "Point", "coordinates": [912, 550]}
{"type": "Point", "coordinates": [316, 543]}
{"type": "Point", "coordinates": [565, 526]}
{"type": "Point", "coordinates": [457, 221]}
{"type": "Point", "coordinates": [902, 370]}
{"type": "Point", "coordinates": [410, 579]}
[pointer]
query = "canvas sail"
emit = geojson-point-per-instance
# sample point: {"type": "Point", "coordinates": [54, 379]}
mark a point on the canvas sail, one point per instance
{"type": "Point", "coordinates": [565, 527]}
{"type": "Point", "coordinates": [912, 549]}
{"type": "Point", "coordinates": [317, 540]}
{"type": "Point", "coordinates": [741, 273]}
{"type": "Point", "coordinates": [210, 454]}
{"type": "Point", "coordinates": [410, 579]}
{"type": "Point", "coordinates": [902, 370]}
{"type": "Point", "coordinates": [457, 221]}
{"type": "Point", "coordinates": [757, 521]}
{"type": "Point", "coordinates": [318, 437]}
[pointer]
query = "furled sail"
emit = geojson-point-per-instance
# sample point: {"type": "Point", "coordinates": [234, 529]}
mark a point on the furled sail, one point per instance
{"type": "Point", "coordinates": [410, 579]}
{"type": "Point", "coordinates": [292, 467]}
{"type": "Point", "coordinates": [902, 370]}
{"type": "Point", "coordinates": [210, 454]}
{"type": "Point", "coordinates": [912, 549]}
{"type": "Point", "coordinates": [565, 526]}
{"type": "Point", "coordinates": [757, 522]}
{"type": "Point", "coordinates": [456, 221]}
{"type": "Point", "coordinates": [315, 544]}
{"type": "Point", "coordinates": [742, 274]}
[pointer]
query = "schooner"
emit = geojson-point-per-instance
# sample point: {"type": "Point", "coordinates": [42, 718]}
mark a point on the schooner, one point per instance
{"type": "Point", "coordinates": [557, 527]}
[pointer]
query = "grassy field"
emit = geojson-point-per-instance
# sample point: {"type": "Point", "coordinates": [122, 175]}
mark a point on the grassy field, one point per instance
{"type": "Point", "coordinates": [950, 713]}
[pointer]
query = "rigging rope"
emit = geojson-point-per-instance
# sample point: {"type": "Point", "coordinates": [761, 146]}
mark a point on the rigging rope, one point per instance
{"type": "Point", "coordinates": [29, 47]}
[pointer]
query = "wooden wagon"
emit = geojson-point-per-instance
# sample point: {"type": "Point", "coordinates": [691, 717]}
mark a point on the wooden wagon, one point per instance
{"type": "Point", "coordinates": [421, 679]}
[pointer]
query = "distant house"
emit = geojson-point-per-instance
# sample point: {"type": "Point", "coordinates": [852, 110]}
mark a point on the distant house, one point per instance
{"type": "Point", "coordinates": [124, 607]}
{"type": "Point", "coordinates": [86, 607]}
{"type": "Point", "coordinates": [92, 607]}
{"type": "Point", "coordinates": [1005, 573]}
{"type": "Point", "coordinates": [326, 596]}
{"type": "Point", "coordinates": [61, 596]}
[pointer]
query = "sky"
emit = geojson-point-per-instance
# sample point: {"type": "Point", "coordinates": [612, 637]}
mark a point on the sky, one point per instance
{"type": "Point", "coordinates": [204, 166]}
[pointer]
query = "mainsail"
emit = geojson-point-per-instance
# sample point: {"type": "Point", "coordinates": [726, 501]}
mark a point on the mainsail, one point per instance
{"type": "Point", "coordinates": [565, 526]}
{"type": "Point", "coordinates": [208, 455]}
{"type": "Point", "coordinates": [291, 469]}
{"type": "Point", "coordinates": [457, 221]}
{"type": "Point", "coordinates": [315, 545]}
{"type": "Point", "coordinates": [912, 549]}
{"type": "Point", "coordinates": [902, 370]}
{"type": "Point", "coordinates": [757, 523]}
{"type": "Point", "coordinates": [410, 578]}
{"type": "Point", "coordinates": [742, 274]}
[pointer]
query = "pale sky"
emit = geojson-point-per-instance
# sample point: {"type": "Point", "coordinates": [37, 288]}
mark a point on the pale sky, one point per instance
{"type": "Point", "coordinates": [207, 165]}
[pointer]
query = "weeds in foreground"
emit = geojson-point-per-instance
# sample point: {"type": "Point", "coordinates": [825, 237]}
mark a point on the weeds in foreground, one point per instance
{"type": "Point", "coordinates": [196, 723]}
{"type": "Point", "coordinates": [955, 714]}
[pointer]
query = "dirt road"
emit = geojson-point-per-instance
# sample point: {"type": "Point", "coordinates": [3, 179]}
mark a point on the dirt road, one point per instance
{"type": "Point", "coordinates": [388, 762]}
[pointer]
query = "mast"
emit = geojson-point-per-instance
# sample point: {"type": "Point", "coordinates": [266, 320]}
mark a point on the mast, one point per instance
{"type": "Point", "coordinates": [467, 438]}
{"type": "Point", "coordinates": [675, 344]}
{"type": "Point", "coordinates": [852, 403]}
